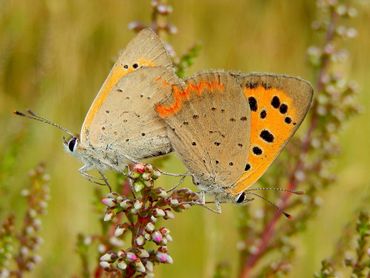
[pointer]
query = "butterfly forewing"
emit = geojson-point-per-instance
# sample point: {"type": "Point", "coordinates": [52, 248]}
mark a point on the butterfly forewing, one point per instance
{"type": "Point", "coordinates": [278, 106]}
{"type": "Point", "coordinates": [127, 123]}
{"type": "Point", "coordinates": [209, 125]}
{"type": "Point", "coordinates": [145, 50]}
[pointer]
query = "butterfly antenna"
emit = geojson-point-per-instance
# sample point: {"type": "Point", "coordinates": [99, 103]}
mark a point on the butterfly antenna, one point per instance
{"type": "Point", "coordinates": [31, 115]}
{"type": "Point", "coordinates": [287, 215]}
{"type": "Point", "coordinates": [297, 192]}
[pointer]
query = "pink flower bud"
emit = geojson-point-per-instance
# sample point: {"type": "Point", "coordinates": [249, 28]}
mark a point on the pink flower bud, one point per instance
{"type": "Point", "coordinates": [109, 202]}
{"type": "Point", "coordinates": [149, 227]}
{"type": "Point", "coordinates": [147, 176]}
{"type": "Point", "coordinates": [120, 229]}
{"type": "Point", "coordinates": [131, 257]}
{"type": "Point", "coordinates": [107, 257]}
{"type": "Point", "coordinates": [143, 253]}
{"type": "Point", "coordinates": [169, 215]}
{"type": "Point", "coordinates": [140, 240]}
{"type": "Point", "coordinates": [174, 202]}
{"type": "Point", "coordinates": [164, 231]}
{"type": "Point", "coordinates": [104, 264]}
{"type": "Point", "coordinates": [139, 168]}
{"type": "Point", "coordinates": [138, 204]}
{"type": "Point", "coordinates": [139, 266]}
{"type": "Point", "coordinates": [157, 237]}
{"type": "Point", "coordinates": [159, 212]}
{"type": "Point", "coordinates": [125, 204]}
{"type": "Point", "coordinates": [138, 185]}
{"type": "Point", "coordinates": [122, 265]}
{"type": "Point", "coordinates": [149, 266]}
{"type": "Point", "coordinates": [108, 216]}
{"type": "Point", "coordinates": [149, 168]}
{"type": "Point", "coordinates": [164, 258]}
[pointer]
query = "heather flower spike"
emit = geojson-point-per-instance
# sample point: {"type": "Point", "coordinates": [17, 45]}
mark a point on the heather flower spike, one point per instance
{"type": "Point", "coordinates": [136, 217]}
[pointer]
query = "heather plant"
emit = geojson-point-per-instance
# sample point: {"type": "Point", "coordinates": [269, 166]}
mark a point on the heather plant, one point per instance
{"type": "Point", "coordinates": [19, 245]}
{"type": "Point", "coordinates": [308, 163]}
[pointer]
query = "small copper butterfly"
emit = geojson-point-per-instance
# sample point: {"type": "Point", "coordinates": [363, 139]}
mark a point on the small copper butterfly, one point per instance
{"type": "Point", "coordinates": [121, 124]}
{"type": "Point", "coordinates": [229, 127]}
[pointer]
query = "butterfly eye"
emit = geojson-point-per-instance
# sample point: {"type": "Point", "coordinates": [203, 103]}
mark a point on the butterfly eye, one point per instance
{"type": "Point", "coordinates": [240, 198]}
{"type": "Point", "coordinates": [72, 144]}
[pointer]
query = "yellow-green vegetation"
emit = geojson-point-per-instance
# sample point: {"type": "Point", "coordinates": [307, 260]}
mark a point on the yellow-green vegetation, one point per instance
{"type": "Point", "coordinates": [54, 56]}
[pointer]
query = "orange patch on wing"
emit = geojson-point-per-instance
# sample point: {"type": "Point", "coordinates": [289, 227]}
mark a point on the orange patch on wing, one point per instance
{"type": "Point", "coordinates": [182, 95]}
{"type": "Point", "coordinates": [116, 74]}
{"type": "Point", "coordinates": [274, 123]}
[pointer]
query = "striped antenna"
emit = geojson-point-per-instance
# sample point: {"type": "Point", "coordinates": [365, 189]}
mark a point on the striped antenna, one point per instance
{"type": "Point", "coordinates": [31, 115]}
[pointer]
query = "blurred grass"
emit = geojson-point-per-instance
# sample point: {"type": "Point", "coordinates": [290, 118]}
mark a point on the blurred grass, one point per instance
{"type": "Point", "coordinates": [54, 55]}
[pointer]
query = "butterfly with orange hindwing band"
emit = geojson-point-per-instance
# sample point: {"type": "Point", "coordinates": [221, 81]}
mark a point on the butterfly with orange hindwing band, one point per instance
{"type": "Point", "coordinates": [121, 125]}
{"type": "Point", "coordinates": [229, 127]}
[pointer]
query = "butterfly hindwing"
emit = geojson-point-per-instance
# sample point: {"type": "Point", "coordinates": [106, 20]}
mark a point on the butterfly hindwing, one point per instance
{"type": "Point", "coordinates": [209, 123]}
{"type": "Point", "coordinates": [278, 106]}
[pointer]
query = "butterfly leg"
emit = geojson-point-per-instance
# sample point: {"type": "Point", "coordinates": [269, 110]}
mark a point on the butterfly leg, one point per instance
{"type": "Point", "coordinates": [187, 174]}
{"type": "Point", "coordinates": [177, 185]}
{"type": "Point", "coordinates": [105, 180]}
{"type": "Point", "coordinates": [90, 178]}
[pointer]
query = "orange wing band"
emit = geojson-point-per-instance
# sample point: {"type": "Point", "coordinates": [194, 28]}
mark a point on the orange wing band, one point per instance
{"type": "Point", "coordinates": [182, 95]}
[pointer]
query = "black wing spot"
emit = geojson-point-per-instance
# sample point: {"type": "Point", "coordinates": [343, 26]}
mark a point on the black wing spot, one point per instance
{"type": "Point", "coordinates": [232, 120]}
{"type": "Point", "coordinates": [185, 123]}
{"type": "Point", "coordinates": [127, 97]}
{"type": "Point", "coordinates": [195, 117]}
{"type": "Point", "coordinates": [125, 121]}
{"type": "Point", "coordinates": [120, 90]}
{"type": "Point", "coordinates": [107, 111]}
{"type": "Point", "coordinates": [257, 150]}
{"type": "Point", "coordinates": [247, 167]}
{"type": "Point", "coordinates": [148, 97]}
{"type": "Point", "coordinates": [263, 114]}
{"type": "Point", "coordinates": [275, 102]}
{"type": "Point", "coordinates": [267, 136]}
{"type": "Point", "coordinates": [222, 110]}
{"type": "Point", "coordinates": [125, 66]}
{"type": "Point", "coordinates": [141, 96]}
{"type": "Point", "coordinates": [217, 162]}
{"type": "Point", "coordinates": [240, 145]}
{"type": "Point", "coordinates": [217, 143]}
{"type": "Point", "coordinates": [135, 66]}
{"type": "Point", "coordinates": [243, 118]}
{"type": "Point", "coordinates": [213, 108]}
{"type": "Point", "coordinates": [194, 144]}
{"type": "Point", "coordinates": [287, 120]}
{"type": "Point", "coordinates": [283, 108]}
{"type": "Point", "coordinates": [253, 103]}
{"type": "Point", "coordinates": [143, 134]}
{"type": "Point", "coordinates": [127, 140]}
{"type": "Point", "coordinates": [231, 163]}
{"type": "Point", "coordinates": [103, 127]}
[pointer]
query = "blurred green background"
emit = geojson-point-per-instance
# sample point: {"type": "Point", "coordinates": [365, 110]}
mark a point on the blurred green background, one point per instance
{"type": "Point", "coordinates": [54, 56]}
